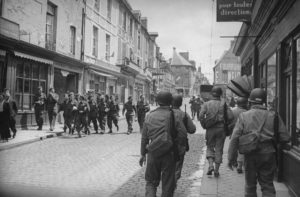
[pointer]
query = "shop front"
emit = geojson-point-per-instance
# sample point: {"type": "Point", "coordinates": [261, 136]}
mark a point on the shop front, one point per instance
{"type": "Point", "coordinates": [270, 52]}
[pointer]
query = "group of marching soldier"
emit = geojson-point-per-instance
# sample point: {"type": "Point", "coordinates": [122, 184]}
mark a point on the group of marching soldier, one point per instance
{"type": "Point", "coordinates": [79, 111]}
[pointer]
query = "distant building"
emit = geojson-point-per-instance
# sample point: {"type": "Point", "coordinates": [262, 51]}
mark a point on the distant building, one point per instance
{"type": "Point", "coordinates": [184, 72]}
{"type": "Point", "coordinates": [227, 67]}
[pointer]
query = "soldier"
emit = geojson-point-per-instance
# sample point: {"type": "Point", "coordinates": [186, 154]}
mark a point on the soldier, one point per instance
{"type": "Point", "coordinates": [142, 108]}
{"type": "Point", "coordinates": [112, 114]}
{"type": "Point", "coordinates": [93, 113]}
{"type": "Point", "coordinates": [13, 111]}
{"type": "Point", "coordinates": [70, 110]}
{"type": "Point", "coordinates": [242, 104]}
{"type": "Point", "coordinates": [39, 101]}
{"type": "Point", "coordinates": [102, 113]}
{"type": "Point", "coordinates": [189, 127]}
{"type": "Point", "coordinates": [130, 108]}
{"type": "Point", "coordinates": [52, 107]}
{"type": "Point", "coordinates": [62, 108]}
{"type": "Point", "coordinates": [193, 106]}
{"type": "Point", "coordinates": [81, 117]}
{"type": "Point", "coordinates": [213, 111]}
{"type": "Point", "coordinates": [198, 104]}
{"type": "Point", "coordinates": [158, 167]}
{"type": "Point", "coordinates": [260, 165]}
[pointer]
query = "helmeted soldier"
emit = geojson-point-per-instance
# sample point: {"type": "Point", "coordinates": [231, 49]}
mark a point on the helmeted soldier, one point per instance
{"type": "Point", "coordinates": [193, 106]}
{"type": "Point", "coordinates": [182, 138]}
{"type": "Point", "coordinates": [39, 104]}
{"type": "Point", "coordinates": [260, 165]}
{"type": "Point", "coordinates": [158, 167]}
{"type": "Point", "coordinates": [93, 113]}
{"type": "Point", "coordinates": [142, 108]}
{"type": "Point", "coordinates": [102, 113]}
{"type": "Point", "coordinates": [13, 111]}
{"type": "Point", "coordinates": [198, 104]}
{"type": "Point", "coordinates": [81, 118]}
{"type": "Point", "coordinates": [130, 112]}
{"type": "Point", "coordinates": [242, 104]}
{"type": "Point", "coordinates": [112, 114]}
{"type": "Point", "coordinates": [70, 110]}
{"type": "Point", "coordinates": [215, 135]}
{"type": "Point", "coordinates": [52, 107]}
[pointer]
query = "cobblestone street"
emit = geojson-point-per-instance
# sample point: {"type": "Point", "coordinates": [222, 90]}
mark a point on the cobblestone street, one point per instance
{"type": "Point", "coordinates": [95, 165]}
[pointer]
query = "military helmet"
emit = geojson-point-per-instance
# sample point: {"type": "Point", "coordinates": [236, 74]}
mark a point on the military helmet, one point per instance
{"type": "Point", "coordinates": [176, 100]}
{"type": "Point", "coordinates": [164, 98]}
{"type": "Point", "coordinates": [216, 91]}
{"type": "Point", "coordinates": [257, 96]}
{"type": "Point", "coordinates": [242, 101]}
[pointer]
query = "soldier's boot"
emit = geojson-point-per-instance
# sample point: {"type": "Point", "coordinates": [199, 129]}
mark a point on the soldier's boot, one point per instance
{"type": "Point", "coordinates": [102, 131]}
{"type": "Point", "coordinates": [239, 168]}
{"type": "Point", "coordinates": [117, 127]}
{"type": "Point", "coordinates": [110, 131]}
{"type": "Point", "coordinates": [211, 166]}
{"type": "Point", "coordinates": [216, 172]}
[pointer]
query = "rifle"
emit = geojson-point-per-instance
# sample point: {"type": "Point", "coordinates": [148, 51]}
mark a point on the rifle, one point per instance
{"type": "Point", "coordinates": [185, 122]}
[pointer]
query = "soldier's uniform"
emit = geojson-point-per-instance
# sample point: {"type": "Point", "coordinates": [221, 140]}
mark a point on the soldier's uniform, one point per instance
{"type": "Point", "coordinates": [193, 106]}
{"type": "Point", "coordinates": [130, 111]}
{"type": "Point", "coordinates": [197, 107]}
{"type": "Point", "coordinates": [13, 112]}
{"type": "Point", "coordinates": [259, 165]}
{"type": "Point", "coordinates": [159, 168]}
{"type": "Point", "coordinates": [142, 108]}
{"type": "Point", "coordinates": [70, 108]}
{"type": "Point", "coordinates": [182, 137]}
{"type": "Point", "coordinates": [81, 117]}
{"type": "Point", "coordinates": [52, 108]}
{"type": "Point", "coordinates": [93, 114]}
{"type": "Point", "coordinates": [112, 115]}
{"type": "Point", "coordinates": [39, 101]}
{"type": "Point", "coordinates": [102, 114]}
{"type": "Point", "coordinates": [215, 135]}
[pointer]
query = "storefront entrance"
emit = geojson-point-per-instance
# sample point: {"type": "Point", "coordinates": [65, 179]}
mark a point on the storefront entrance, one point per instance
{"type": "Point", "coordinates": [65, 81]}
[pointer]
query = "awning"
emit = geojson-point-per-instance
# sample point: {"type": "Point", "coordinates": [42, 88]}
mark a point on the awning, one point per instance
{"type": "Point", "coordinates": [38, 59]}
{"type": "Point", "coordinates": [102, 74]}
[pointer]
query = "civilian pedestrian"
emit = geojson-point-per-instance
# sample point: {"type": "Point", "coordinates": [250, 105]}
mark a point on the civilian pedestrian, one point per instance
{"type": "Point", "coordinates": [52, 107]}
{"type": "Point", "coordinates": [4, 119]}
{"type": "Point", "coordinates": [13, 111]}
{"type": "Point", "coordinates": [39, 104]}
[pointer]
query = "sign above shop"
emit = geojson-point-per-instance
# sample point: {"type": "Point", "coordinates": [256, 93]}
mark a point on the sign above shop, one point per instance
{"type": "Point", "coordinates": [234, 10]}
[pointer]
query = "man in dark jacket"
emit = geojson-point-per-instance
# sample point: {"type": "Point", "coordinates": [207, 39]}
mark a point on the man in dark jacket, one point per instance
{"type": "Point", "coordinates": [112, 114]}
{"type": "Point", "coordinates": [130, 112]}
{"type": "Point", "coordinates": [102, 112]}
{"type": "Point", "coordinates": [260, 165]}
{"type": "Point", "coordinates": [70, 108]}
{"type": "Point", "coordinates": [213, 111]}
{"type": "Point", "coordinates": [81, 121]}
{"type": "Point", "coordinates": [13, 111]}
{"type": "Point", "coordinates": [242, 104]}
{"type": "Point", "coordinates": [93, 113]}
{"type": "Point", "coordinates": [39, 102]}
{"type": "Point", "coordinates": [159, 168]}
{"type": "Point", "coordinates": [52, 107]}
{"type": "Point", "coordinates": [142, 108]}
{"type": "Point", "coordinates": [182, 138]}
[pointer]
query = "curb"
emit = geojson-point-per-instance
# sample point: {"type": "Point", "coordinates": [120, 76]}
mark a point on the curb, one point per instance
{"type": "Point", "coordinates": [10, 146]}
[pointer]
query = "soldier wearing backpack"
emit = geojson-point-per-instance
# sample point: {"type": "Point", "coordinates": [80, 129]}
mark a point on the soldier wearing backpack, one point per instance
{"type": "Point", "coordinates": [161, 154]}
{"type": "Point", "coordinates": [212, 117]}
{"type": "Point", "coordinates": [182, 138]}
{"type": "Point", "coordinates": [260, 159]}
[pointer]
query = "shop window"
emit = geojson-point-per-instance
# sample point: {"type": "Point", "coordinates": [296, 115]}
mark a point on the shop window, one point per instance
{"type": "Point", "coordinates": [271, 81]}
{"type": "Point", "coordinates": [29, 76]}
{"type": "Point", "coordinates": [297, 134]}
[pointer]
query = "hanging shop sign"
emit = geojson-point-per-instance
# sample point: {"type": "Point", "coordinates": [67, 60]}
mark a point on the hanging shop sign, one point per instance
{"type": "Point", "coordinates": [234, 10]}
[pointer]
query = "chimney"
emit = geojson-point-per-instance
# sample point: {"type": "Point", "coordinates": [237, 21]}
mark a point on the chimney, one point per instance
{"type": "Point", "coordinates": [144, 22]}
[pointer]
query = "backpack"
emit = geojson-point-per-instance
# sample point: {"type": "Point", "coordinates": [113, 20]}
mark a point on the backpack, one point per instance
{"type": "Point", "coordinates": [209, 122]}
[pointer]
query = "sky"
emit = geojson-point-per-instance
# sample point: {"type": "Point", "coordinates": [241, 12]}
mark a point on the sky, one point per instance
{"type": "Point", "coordinates": [188, 25]}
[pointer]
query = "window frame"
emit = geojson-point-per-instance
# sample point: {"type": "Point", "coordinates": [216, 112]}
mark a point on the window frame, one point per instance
{"type": "Point", "coordinates": [73, 40]}
{"type": "Point", "coordinates": [50, 43]}
{"type": "Point", "coordinates": [97, 5]}
{"type": "Point", "coordinates": [95, 41]}
{"type": "Point", "coordinates": [107, 47]}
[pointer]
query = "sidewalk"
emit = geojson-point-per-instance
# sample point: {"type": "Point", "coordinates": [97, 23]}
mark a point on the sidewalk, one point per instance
{"type": "Point", "coordinates": [230, 183]}
{"type": "Point", "coordinates": [31, 134]}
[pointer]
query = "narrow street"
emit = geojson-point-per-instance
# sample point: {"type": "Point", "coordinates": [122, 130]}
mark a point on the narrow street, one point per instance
{"type": "Point", "coordinates": [95, 165]}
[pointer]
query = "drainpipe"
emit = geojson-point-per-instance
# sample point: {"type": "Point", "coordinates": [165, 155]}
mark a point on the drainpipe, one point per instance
{"type": "Point", "coordinates": [85, 68]}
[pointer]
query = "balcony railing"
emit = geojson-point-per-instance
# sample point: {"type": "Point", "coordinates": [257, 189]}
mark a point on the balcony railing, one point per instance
{"type": "Point", "coordinates": [9, 28]}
